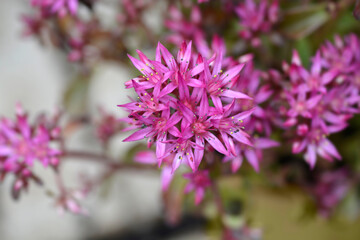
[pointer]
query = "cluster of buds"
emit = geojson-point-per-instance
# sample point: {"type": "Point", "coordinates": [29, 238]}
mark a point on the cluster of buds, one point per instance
{"type": "Point", "coordinates": [132, 10]}
{"type": "Point", "coordinates": [84, 36]}
{"type": "Point", "coordinates": [22, 145]}
{"type": "Point", "coordinates": [257, 19]}
{"type": "Point", "coordinates": [183, 29]}
{"type": "Point", "coordinates": [69, 201]}
{"type": "Point", "coordinates": [186, 105]}
{"type": "Point", "coordinates": [330, 189]}
{"type": "Point", "coordinates": [107, 126]}
{"type": "Point", "coordinates": [198, 182]}
{"type": "Point", "coordinates": [254, 83]}
{"type": "Point", "coordinates": [322, 100]}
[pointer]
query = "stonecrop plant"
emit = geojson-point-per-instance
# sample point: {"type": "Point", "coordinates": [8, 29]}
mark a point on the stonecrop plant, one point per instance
{"type": "Point", "coordinates": [268, 84]}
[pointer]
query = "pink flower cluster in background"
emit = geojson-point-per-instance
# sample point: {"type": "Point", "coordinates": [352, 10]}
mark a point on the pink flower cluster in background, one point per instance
{"type": "Point", "coordinates": [322, 100]}
{"type": "Point", "coordinates": [23, 144]}
{"type": "Point", "coordinates": [56, 7]}
{"type": "Point", "coordinates": [257, 19]}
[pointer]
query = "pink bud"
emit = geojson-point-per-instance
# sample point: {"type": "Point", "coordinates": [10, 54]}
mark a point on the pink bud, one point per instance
{"type": "Point", "coordinates": [302, 129]}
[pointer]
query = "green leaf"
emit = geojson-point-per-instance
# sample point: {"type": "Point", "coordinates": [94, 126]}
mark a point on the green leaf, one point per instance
{"type": "Point", "coordinates": [300, 22]}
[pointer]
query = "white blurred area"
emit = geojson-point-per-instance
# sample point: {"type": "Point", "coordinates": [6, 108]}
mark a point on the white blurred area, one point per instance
{"type": "Point", "coordinates": [36, 77]}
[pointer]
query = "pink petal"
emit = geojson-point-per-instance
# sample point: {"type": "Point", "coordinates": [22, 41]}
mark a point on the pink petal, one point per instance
{"type": "Point", "coordinates": [234, 94]}
{"type": "Point", "coordinates": [177, 161]}
{"type": "Point", "coordinates": [5, 150]}
{"type": "Point", "coordinates": [73, 6]}
{"type": "Point", "coordinates": [264, 143]}
{"type": "Point", "coordinates": [146, 157]}
{"type": "Point", "coordinates": [312, 102]}
{"type": "Point", "coordinates": [252, 159]}
{"type": "Point", "coordinates": [245, 114]}
{"type": "Point", "coordinates": [236, 163]}
{"type": "Point", "coordinates": [310, 156]}
{"type": "Point", "coordinates": [199, 195]}
{"type": "Point", "coordinates": [328, 77]}
{"type": "Point", "coordinates": [141, 134]}
{"type": "Point", "coordinates": [215, 143]}
{"type": "Point", "coordinates": [169, 59]}
{"type": "Point", "coordinates": [231, 73]}
{"type": "Point", "coordinates": [166, 178]}
{"type": "Point", "coordinates": [330, 148]}
{"type": "Point", "coordinates": [241, 136]}
{"type": "Point", "coordinates": [316, 67]}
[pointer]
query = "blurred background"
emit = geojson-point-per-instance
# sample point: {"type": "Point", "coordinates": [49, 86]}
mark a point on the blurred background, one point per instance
{"type": "Point", "coordinates": [130, 206]}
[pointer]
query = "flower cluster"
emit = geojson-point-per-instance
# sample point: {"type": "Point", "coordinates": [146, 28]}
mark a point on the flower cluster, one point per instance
{"type": "Point", "coordinates": [253, 82]}
{"type": "Point", "coordinates": [186, 105]}
{"type": "Point", "coordinates": [56, 7]}
{"type": "Point", "coordinates": [132, 10]}
{"type": "Point", "coordinates": [184, 29]}
{"type": "Point", "coordinates": [198, 182]}
{"type": "Point", "coordinates": [330, 189]}
{"type": "Point", "coordinates": [22, 144]}
{"type": "Point", "coordinates": [107, 126]}
{"type": "Point", "coordinates": [256, 19]}
{"type": "Point", "coordinates": [322, 100]}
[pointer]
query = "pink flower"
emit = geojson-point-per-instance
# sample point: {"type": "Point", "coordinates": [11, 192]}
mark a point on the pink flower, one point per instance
{"type": "Point", "coordinates": [131, 11]}
{"type": "Point", "coordinates": [69, 200]}
{"type": "Point", "coordinates": [253, 83]}
{"type": "Point", "coordinates": [33, 25]}
{"type": "Point", "coordinates": [183, 29]}
{"type": "Point", "coordinates": [341, 56]}
{"type": "Point", "coordinates": [198, 182]}
{"type": "Point", "coordinates": [319, 105]}
{"type": "Point", "coordinates": [313, 140]}
{"type": "Point", "coordinates": [173, 110]}
{"type": "Point", "coordinates": [22, 144]}
{"type": "Point", "coordinates": [59, 7]}
{"type": "Point", "coordinates": [252, 154]}
{"type": "Point", "coordinates": [107, 126]}
{"type": "Point", "coordinates": [257, 19]}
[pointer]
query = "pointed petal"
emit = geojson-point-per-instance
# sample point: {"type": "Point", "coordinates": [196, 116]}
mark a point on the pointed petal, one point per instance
{"type": "Point", "coordinates": [166, 178]}
{"type": "Point", "coordinates": [241, 136]}
{"type": "Point", "coordinates": [199, 195]}
{"type": "Point", "coordinates": [234, 94]}
{"type": "Point", "coordinates": [264, 143]}
{"type": "Point", "coordinates": [215, 143]}
{"type": "Point", "coordinates": [236, 163]}
{"type": "Point", "coordinates": [204, 105]}
{"type": "Point", "coordinates": [177, 161]}
{"type": "Point", "coordinates": [243, 115]}
{"type": "Point", "coordinates": [145, 157]}
{"type": "Point", "coordinates": [231, 73]}
{"type": "Point", "coordinates": [310, 155]}
{"type": "Point", "coordinates": [141, 134]}
{"type": "Point", "coordinates": [252, 159]}
{"type": "Point", "coordinates": [330, 148]}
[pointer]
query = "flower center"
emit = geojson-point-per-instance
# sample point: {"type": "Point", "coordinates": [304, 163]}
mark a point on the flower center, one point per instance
{"type": "Point", "coordinates": [199, 127]}
{"type": "Point", "coordinates": [160, 124]}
